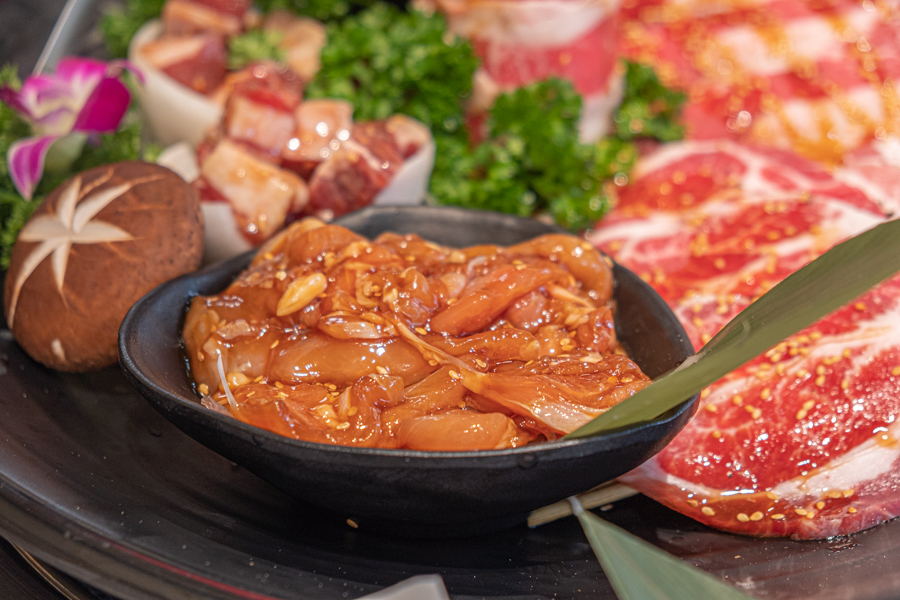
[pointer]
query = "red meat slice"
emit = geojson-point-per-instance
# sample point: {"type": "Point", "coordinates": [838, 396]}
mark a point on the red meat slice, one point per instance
{"type": "Point", "coordinates": [816, 78]}
{"type": "Point", "coordinates": [804, 440]}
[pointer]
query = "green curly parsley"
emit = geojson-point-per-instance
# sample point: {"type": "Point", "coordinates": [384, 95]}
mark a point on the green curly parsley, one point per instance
{"type": "Point", "coordinates": [124, 144]}
{"type": "Point", "coordinates": [120, 23]}
{"type": "Point", "coordinates": [649, 109]}
{"type": "Point", "coordinates": [533, 161]}
{"type": "Point", "coordinates": [253, 46]}
{"type": "Point", "coordinates": [385, 61]}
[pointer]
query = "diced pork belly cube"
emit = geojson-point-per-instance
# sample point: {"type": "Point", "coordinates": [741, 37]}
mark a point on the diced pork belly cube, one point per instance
{"type": "Point", "coordinates": [322, 125]}
{"type": "Point", "coordinates": [375, 136]}
{"type": "Point", "coordinates": [261, 194]}
{"type": "Point", "coordinates": [224, 17]}
{"type": "Point", "coordinates": [302, 41]}
{"type": "Point", "coordinates": [264, 82]}
{"type": "Point", "coordinates": [261, 124]}
{"type": "Point", "coordinates": [196, 61]}
{"type": "Point", "coordinates": [409, 135]}
{"type": "Point", "coordinates": [355, 173]}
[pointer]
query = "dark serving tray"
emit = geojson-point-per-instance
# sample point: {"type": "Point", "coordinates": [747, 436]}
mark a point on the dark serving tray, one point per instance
{"type": "Point", "coordinates": [95, 483]}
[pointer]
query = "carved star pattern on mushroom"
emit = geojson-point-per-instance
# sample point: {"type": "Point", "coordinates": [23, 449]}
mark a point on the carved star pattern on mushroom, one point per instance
{"type": "Point", "coordinates": [72, 223]}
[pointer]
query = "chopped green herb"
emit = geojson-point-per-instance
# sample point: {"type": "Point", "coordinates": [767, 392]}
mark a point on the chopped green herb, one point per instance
{"type": "Point", "coordinates": [119, 24]}
{"type": "Point", "coordinates": [323, 10]}
{"type": "Point", "coordinates": [533, 161]}
{"type": "Point", "coordinates": [649, 109]}
{"type": "Point", "coordinates": [252, 46]}
{"type": "Point", "coordinates": [385, 61]}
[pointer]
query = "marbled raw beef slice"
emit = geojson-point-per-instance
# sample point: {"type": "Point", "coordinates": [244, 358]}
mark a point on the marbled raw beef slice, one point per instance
{"type": "Point", "coordinates": [803, 440]}
{"type": "Point", "coordinates": [816, 78]}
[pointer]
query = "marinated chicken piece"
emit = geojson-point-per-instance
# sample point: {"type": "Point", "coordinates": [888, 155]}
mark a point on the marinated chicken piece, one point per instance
{"type": "Point", "coordinates": [261, 194]}
{"type": "Point", "coordinates": [196, 61]}
{"type": "Point", "coordinates": [401, 343]}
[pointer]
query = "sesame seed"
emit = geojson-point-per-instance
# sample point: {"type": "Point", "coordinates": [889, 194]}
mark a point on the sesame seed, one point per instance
{"type": "Point", "coordinates": [810, 514]}
{"type": "Point", "coordinates": [756, 516]}
{"type": "Point", "coordinates": [737, 400]}
{"type": "Point", "coordinates": [480, 363]}
{"type": "Point", "coordinates": [421, 331]}
{"type": "Point", "coordinates": [834, 495]}
{"type": "Point", "coordinates": [820, 505]}
{"type": "Point", "coordinates": [777, 517]}
{"type": "Point", "coordinates": [801, 414]}
{"type": "Point", "coordinates": [693, 503]}
{"type": "Point", "coordinates": [275, 343]}
{"type": "Point", "coordinates": [895, 371]}
{"type": "Point", "coordinates": [707, 511]}
{"type": "Point", "coordinates": [203, 389]}
{"type": "Point", "coordinates": [712, 408]}
{"type": "Point", "coordinates": [801, 511]}
{"type": "Point", "coordinates": [848, 493]}
{"type": "Point", "coordinates": [455, 375]}
{"type": "Point", "coordinates": [765, 394]}
{"type": "Point", "coordinates": [352, 524]}
{"type": "Point", "coordinates": [809, 404]}
{"type": "Point", "coordinates": [771, 495]}
{"type": "Point", "coordinates": [845, 384]}
{"type": "Point", "coordinates": [859, 306]}
{"type": "Point", "coordinates": [742, 517]}
{"type": "Point", "coordinates": [851, 510]}
{"type": "Point", "coordinates": [717, 434]}
{"type": "Point", "coordinates": [820, 380]}
{"type": "Point", "coordinates": [820, 370]}
{"type": "Point", "coordinates": [381, 370]}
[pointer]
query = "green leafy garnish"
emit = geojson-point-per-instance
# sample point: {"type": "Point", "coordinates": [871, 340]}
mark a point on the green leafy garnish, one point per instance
{"type": "Point", "coordinates": [119, 24]}
{"type": "Point", "coordinates": [533, 160]}
{"type": "Point", "coordinates": [254, 45]}
{"type": "Point", "coordinates": [384, 61]}
{"type": "Point", "coordinates": [124, 144]}
{"type": "Point", "coordinates": [827, 283]}
{"type": "Point", "coordinates": [641, 571]}
{"type": "Point", "coordinates": [323, 10]}
{"type": "Point", "coordinates": [648, 109]}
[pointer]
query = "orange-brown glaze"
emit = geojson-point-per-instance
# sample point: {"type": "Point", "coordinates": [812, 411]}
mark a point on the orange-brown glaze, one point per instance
{"type": "Point", "coordinates": [401, 343]}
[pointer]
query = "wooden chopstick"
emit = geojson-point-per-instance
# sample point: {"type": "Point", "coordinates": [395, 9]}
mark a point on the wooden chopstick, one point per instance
{"type": "Point", "coordinates": [606, 493]}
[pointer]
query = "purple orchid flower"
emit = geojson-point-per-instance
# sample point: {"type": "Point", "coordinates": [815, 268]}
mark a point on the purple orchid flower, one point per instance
{"type": "Point", "coordinates": [83, 97]}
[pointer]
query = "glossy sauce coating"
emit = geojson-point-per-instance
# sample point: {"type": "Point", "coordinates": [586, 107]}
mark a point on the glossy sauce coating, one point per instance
{"type": "Point", "coordinates": [400, 343]}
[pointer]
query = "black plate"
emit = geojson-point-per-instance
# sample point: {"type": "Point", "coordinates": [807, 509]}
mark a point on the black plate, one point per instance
{"type": "Point", "coordinates": [97, 483]}
{"type": "Point", "coordinates": [404, 491]}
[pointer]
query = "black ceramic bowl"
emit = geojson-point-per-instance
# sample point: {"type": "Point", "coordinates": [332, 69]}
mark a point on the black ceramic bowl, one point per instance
{"type": "Point", "coordinates": [410, 492]}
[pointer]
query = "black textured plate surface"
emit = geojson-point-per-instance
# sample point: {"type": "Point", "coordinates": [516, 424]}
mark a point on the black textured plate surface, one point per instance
{"type": "Point", "coordinates": [96, 482]}
{"type": "Point", "coordinates": [405, 491]}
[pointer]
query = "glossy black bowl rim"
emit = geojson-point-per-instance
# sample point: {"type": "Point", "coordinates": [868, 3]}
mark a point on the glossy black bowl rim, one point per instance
{"type": "Point", "coordinates": [561, 448]}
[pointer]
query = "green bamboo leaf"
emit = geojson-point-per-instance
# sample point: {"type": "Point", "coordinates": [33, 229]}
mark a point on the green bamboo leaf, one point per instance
{"type": "Point", "coordinates": [827, 283]}
{"type": "Point", "coordinates": [640, 571]}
